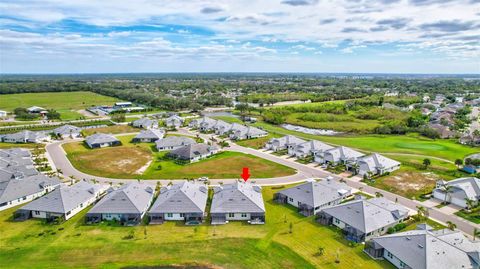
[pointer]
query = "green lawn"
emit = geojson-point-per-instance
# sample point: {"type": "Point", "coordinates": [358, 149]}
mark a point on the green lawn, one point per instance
{"type": "Point", "coordinates": [410, 144]}
{"type": "Point", "coordinates": [67, 103]}
{"type": "Point", "coordinates": [473, 216]}
{"type": "Point", "coordinates": [221, 165]}
{"type": "Point", "coordinates": [31, 244]}
{"type": "Point", "coordinates": [229, 119]}
{"type": "Point", "coordinates": [126, 161]}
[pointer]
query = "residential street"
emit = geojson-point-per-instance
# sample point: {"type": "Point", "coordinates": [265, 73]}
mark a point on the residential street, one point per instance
{"type": "Point", "coordinates": [57, 155]}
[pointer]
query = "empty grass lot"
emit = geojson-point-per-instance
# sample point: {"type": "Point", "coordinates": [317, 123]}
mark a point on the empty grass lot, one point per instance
{"type": "Point", "coordinates": [66, 103]}
{"type": "Point", "coordinates": [114, 129]}
{"type": "Point", "coordinates": [31, 244]}
{"type": "Point", "coordinates": [129, 160]}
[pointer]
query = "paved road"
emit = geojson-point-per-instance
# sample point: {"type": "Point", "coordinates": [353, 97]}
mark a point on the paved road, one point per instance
{"type": "Point", "coordinates": [304, 172]}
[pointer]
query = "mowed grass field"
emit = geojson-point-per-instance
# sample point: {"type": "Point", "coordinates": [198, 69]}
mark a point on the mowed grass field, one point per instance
{"type": "Point", "coordinates": [66, 103]}
{"type": "Point", "coordinates": [73, 244]}
{"type": "Point", "coordinates": [405, 144]}
{"type": "Point", "coordinates": [142, 161]}
{"type": "Point", "coordinates": [114, 129]}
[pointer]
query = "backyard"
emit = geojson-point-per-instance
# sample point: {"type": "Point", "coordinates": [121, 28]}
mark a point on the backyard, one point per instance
{"type": "Point", "coordinates": [67, 104]}
{"type": "Point", "coordinates": [143, 161]}
{"type": "Point", "coordinates": [32, 244]}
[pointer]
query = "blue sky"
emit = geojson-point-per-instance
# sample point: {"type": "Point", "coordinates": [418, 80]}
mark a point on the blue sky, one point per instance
{"type": "Point", "coordinates": [86, 36]}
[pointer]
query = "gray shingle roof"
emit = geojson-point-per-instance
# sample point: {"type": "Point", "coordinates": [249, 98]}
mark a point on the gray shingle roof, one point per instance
{"type": "Point", "coordinates": [238, 197]}
{"type": "Point", "coordinates": [423, 249]}
{"type": "Point", "coordinates": [376, 160]}
{"type": "Point", "coordinates": [17, 188]}
{"type": "Point", "coordinates": [317, 193]}
{"type": "Point", "coordinates": [145, 122]}
{"type": "Point", "coordinates": [368, 215]}
{"type": "Point", "coordinates": [100, 138]}
{"type": "Point", "coordinates": [67, 130]}
{"type": "Point", "coordinates": [312, 146]}
{"type": "Point", "coordinates": [466, 187]}
{"type": "Point", "coordinates": [65, 198]}
{"type": "Point", "coordinates": [186, 197]}
{"type": "Point", "coordinates": [191, 151]}
{"type": "Point", "coordinates": [174, 141]}
{"type": "Point", "coordinates": [344, 153]}
{"type": "Point", "coordinates": [151, 134]}
{"type": "Point", "coordinates": [131, 198]}
{"type": "Point", "coordinates": [26, 135]}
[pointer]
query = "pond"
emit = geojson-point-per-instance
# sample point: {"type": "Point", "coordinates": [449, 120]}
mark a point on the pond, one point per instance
{"type": "Point", "coordinates": [306, 130]}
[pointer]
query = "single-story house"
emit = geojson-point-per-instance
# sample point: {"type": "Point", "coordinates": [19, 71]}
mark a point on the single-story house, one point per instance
{"type": "Point", "coordinates": [123, 104]}
{"type": "Point", "coordinates": [461, 189]}
{"type": "Point", "coordinates": [14, 192]}
{"type": "Point", "coordinates": [204, 124]}
{"type": "Point", "coordinates": [26, 136]}
{"type": "Point", "coordinates": [193, 152]}
{"type": "Point", "coordinates": [309, 148]}
{"type": "Point", "coordinates": [35, 109]}
{"type": "Point", "coordinates": [376, 164]}
{"type": "Point", "coordinates": [222, 128]}
{"type": "Point", "coordinates": [145, 123]}
{"type": "Point", "coordinates": [100, 140]}
{"type": "Point", "coordinates": [127, 204]}
{"type": "Point", "coordinates": [363, 219]}
{"type": "Point", "coordinates": [341, 154]}
{"type": "Point", "coordinates": [149, 135]}
{"type": "Point", "coordinates": [240, 132]}
{"type": "Point", "coordinates": [174, 121]}
{"type": "Point", "coordinates": [425, 248]}
{"type": "Point", "coordinates": [241, 201]}
{"type": "Point", "coordinates": [63, 202]}
{"type": "Point", "coordinates": [67, 131]}
{"type": "Point", "coordinates": [185, 201]}
{"type": "Point", "coordinates": [311, 197]}
{"type": "Point", "coordinates": [3, 113]}
{"type": "Point", "coordinates": [173, 142]}
{"type": "Point", "coordinates": [277, 144]}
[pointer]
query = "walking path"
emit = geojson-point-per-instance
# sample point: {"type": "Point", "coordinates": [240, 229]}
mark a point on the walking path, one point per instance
{"type": "Point", "coordinates": [57, 155]}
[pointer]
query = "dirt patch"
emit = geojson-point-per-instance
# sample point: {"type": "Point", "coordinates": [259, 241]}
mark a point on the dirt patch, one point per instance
{"type": "Point", "coordinates": [410, 183]}
{"type": "Point", "coordinates": [116, 161]}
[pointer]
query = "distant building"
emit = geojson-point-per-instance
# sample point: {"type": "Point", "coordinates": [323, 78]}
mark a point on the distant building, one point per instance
{"type": "Point", "coordinates": [26, 136]}
{"type": "Point", "coordinates": [376, 164]}
{"type": "Point", "coordinates": [145, 123]}
{"type": "Point", "coordinates": [149, 135]}
{"type": "Point", "coordinates": [67, 130]}
{"type": "Point", "coordinates": [309, 148]}
{"type": "Point", "coordinates": [338, 155]}
{"type": "Point", "coordinates": [193, 152]}
{"type": "Point", "coordinates": [100, 140]}
{"type": "Point", "coordinates": [173, 142]}
{"type": "Point", "coordinates": [35, 109]}
{"type": "Point", "coordinates": [123, 104]}
{"type": "Point", "coordinates": [174, 121]}
{"type": "Point", "coordinates": [3, 113]}
{"type": "Point", "coordinates": [282, 143]}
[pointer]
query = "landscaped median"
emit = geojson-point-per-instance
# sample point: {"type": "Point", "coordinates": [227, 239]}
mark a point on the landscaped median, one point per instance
{"type": "Point", "coordinates": [142, 161]}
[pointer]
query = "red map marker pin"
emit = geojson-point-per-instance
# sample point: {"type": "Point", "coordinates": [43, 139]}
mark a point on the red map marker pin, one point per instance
{"type": "Point", "coordinates": [245, 175]}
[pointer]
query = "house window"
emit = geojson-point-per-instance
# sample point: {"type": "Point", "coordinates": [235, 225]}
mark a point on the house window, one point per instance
{"type": "Point", "coordinates": [244, 215]}
{"type": "Point", "coordinates": [170, 215]}
{"type": "Point", "coordinates": [402, 264]}
{"type": "Point", "coordinates": [37, 212]}
{"type": "Point", "coordinates": [290, 199]}
{"type": "Point", "coordinates": [68, 213]}
{"type": "Point", "coordinates": [182, 215]}
{"type": "Point", "coordinates": [81, 205]}
{"type": "Point", "coordinates": [231, 215]}
{"type": "Point", "coordinates": [337, 221]}
{"type": "Point", "coordinates": [24, 198]}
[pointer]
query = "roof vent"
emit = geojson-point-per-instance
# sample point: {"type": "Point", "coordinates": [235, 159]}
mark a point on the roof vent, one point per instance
{"type": "Point", "coordinates": [420, 246]}
{"type": "Point", "coordinates": [408, 238]}
{"type": "Point", "coordinates": [257, 188]}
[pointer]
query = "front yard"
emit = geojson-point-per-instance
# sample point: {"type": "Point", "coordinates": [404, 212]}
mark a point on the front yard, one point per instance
{"type": "Point", "coordinates": [73, 244]}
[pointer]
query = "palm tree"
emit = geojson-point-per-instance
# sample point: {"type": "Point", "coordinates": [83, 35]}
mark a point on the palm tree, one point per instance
{"type": "Point", "coordinates": [426, 162]}
{"type": "Point", "coordinates": [476, 233]}
{"type": "Point", "coordinates": [470, 203]}
{"type": "Point", "coordinates": [422, 212]}
{"type": "Point", "coordinates": [451, 225]}
{"type": "Point", "coordinates": [447, 189]}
